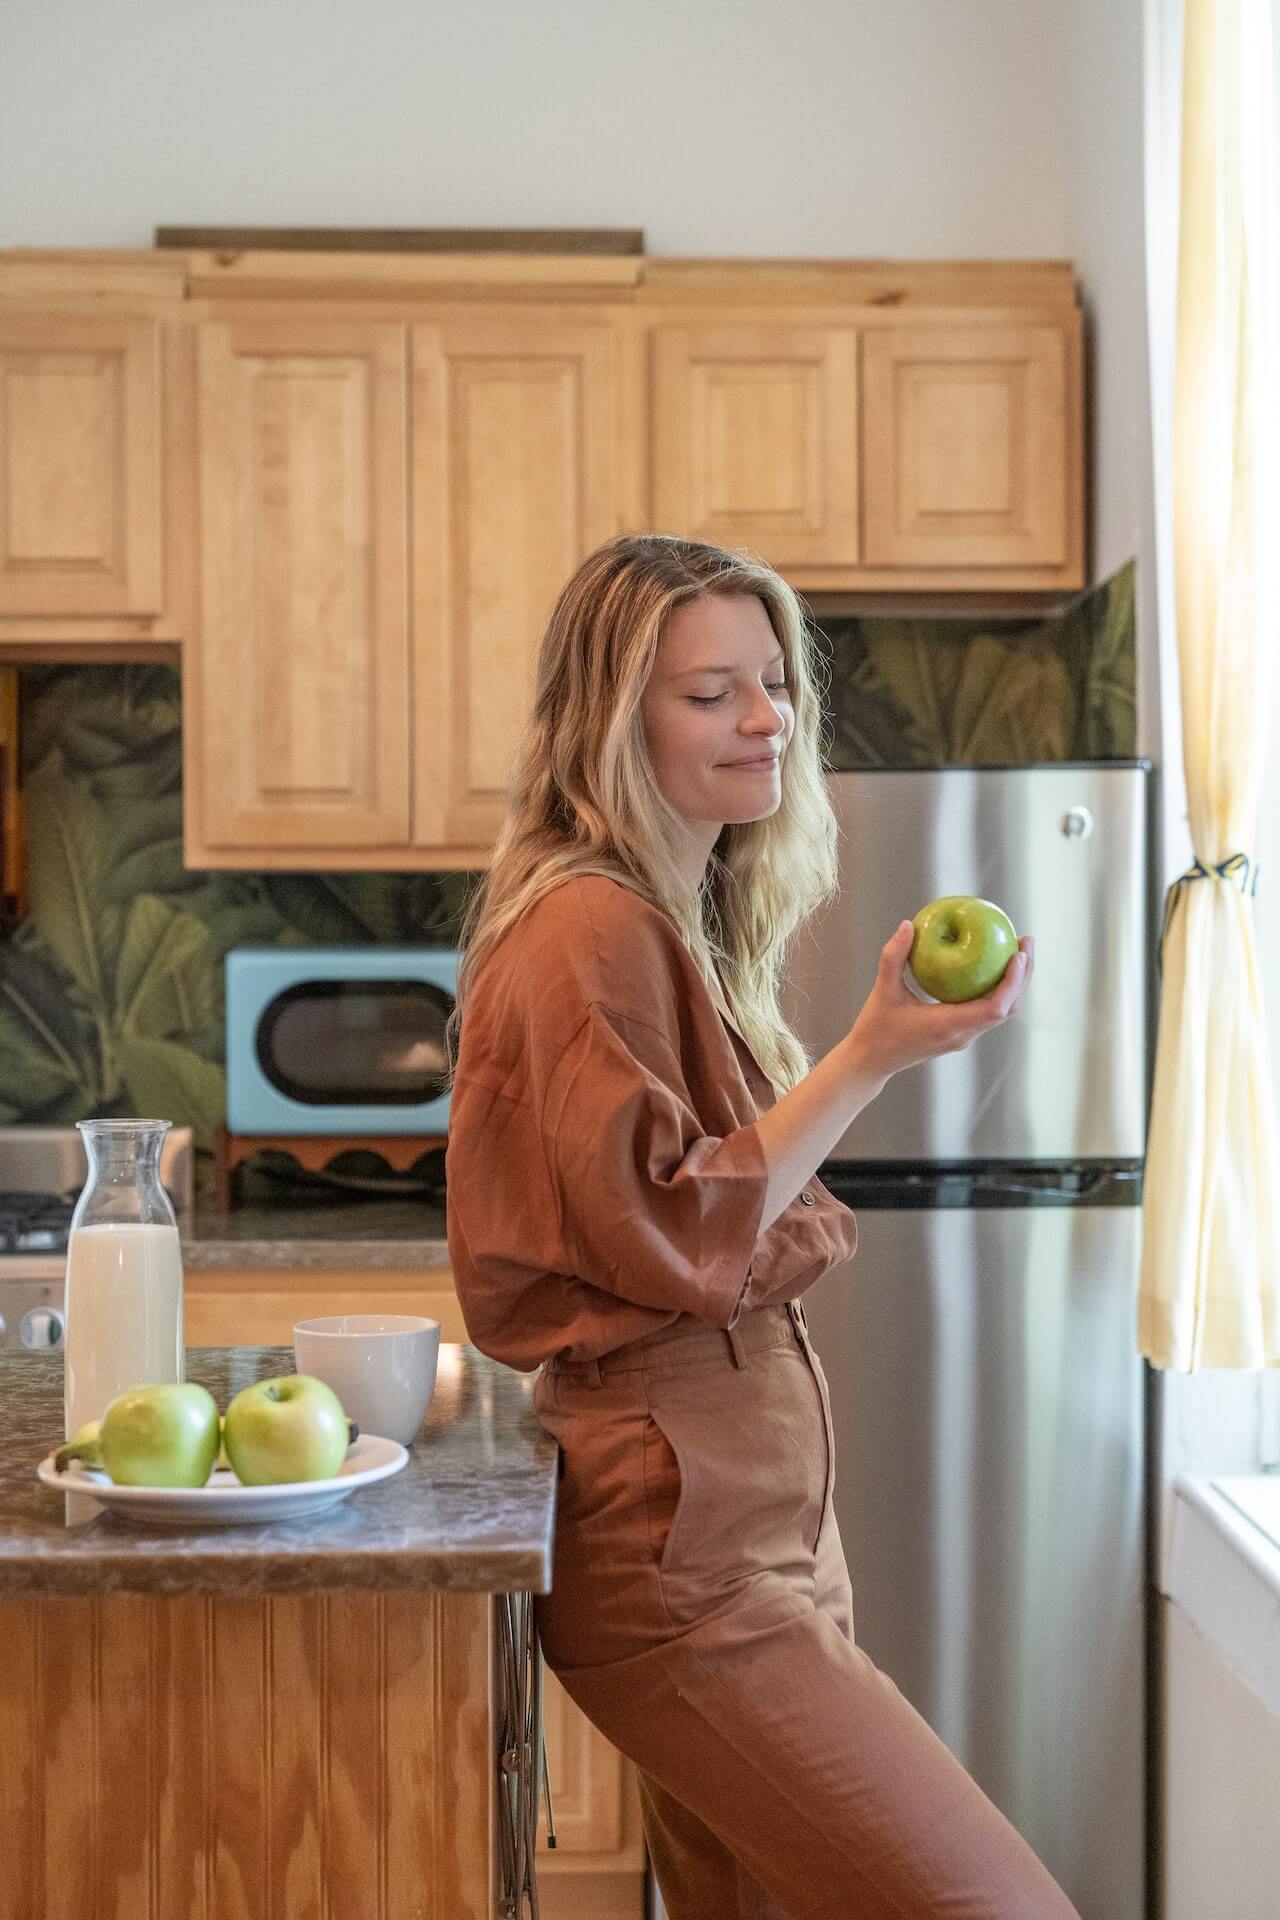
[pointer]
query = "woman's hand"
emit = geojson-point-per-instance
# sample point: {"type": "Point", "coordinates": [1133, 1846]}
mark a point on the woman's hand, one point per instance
{"type": "Point", "coordinates": [895, 1030]}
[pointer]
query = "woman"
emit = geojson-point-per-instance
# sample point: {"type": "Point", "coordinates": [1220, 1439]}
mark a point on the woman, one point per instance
{"type": "Point", "coordinates": [632, 1209]}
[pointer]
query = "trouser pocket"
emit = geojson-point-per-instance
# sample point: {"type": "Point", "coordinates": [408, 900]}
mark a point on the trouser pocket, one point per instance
{"type": "Point", "coordinates": [665, 1493]}
{"type": "Point", "coordinates": [735, 1468]}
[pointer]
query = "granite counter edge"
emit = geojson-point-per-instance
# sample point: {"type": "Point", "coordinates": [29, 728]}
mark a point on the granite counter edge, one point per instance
{"type": "Point", "coordinates": [466, 1570]}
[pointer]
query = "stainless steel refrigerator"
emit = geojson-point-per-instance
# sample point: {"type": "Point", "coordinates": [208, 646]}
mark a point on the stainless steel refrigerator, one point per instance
{"type": "Point", "coordinates": [989, 1401]}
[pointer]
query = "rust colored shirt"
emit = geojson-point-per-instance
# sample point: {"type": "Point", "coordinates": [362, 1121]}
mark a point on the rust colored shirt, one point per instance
{"type": "Point", "coordinates": [604, 1176]}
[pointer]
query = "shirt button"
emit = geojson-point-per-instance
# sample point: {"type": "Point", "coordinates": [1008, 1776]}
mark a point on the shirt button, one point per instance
{"type": "Point", "coordinates": [807, 1198]}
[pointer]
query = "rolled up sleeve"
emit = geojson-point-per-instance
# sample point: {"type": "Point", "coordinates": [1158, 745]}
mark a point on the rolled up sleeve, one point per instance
{"type": "Point", "coordinates": [653, 1208]}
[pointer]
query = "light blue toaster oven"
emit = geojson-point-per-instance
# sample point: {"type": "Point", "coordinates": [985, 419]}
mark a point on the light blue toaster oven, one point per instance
{"type": "Point", "coordinates": [347, 1040]}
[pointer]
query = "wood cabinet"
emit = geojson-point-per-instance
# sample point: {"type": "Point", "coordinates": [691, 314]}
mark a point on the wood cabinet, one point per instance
{"type": "Point", "coordinates": [473, 460]}
{"type": "Point", "coordinates": [297, 709]}
{"type": "Point", "coordinates": [517, 460]}
{"type": "Point", "coordinates": [260, 1306]}
{"type": "Point", "coordinates": [970, 451]}
{"type": "Point", "coordinates": [352, 487]}
{"type": "Point", "coordinates": [755, 439]}
{"type": "Point", "coordinates": [231, 1756]}
{"type": "Point", "coordinates": [80, 501]}
{"type": "Point", "coordinates": [596, 1870]}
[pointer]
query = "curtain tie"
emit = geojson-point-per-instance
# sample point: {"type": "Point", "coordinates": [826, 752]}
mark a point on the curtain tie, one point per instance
{"type": "Point", "coordinates": [1234, 864]}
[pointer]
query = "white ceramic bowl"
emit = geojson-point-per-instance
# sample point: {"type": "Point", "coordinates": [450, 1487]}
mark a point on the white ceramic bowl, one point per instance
{"type": "Point", "coordinates": [382, 1366]}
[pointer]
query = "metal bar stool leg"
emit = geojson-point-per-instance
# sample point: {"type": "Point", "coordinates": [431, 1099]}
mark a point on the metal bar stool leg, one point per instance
{"type": "Point", "coordinates": [522, 1760]}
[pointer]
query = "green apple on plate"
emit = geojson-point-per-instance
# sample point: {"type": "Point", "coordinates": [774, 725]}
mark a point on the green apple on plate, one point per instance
{"type": "Point", "coordinates": [961, 946]}
{"type": "Point", "coordinates": [84, 1445]}
{"type": "Point", "coordinates": [164, 1435]}
{"type": "Point", "coordinates": [289, 1428]}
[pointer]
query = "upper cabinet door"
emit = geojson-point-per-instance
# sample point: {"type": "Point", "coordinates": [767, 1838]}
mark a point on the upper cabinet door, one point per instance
{"type": "Point", "coordinates": [79, 463]}
{"type": "Point", "coordinates": [972, 449]}
{"type": "Point", "coordinates": [300, 703]}
{"type": "Point", "coordinates": [516, 479]}
{"type": "Point", "coordinates": [755, 440]}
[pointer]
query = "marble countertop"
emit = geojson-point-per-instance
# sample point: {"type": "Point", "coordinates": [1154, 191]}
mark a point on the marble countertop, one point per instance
{"type": "Point", "coordinates": [474, 1509]}
{"type": "Point", "coordinates": [377, 1233]}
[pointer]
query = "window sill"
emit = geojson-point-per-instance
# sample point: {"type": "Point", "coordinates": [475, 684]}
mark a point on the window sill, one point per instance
{"type": "Point", "coordinates": [1222, 1568]}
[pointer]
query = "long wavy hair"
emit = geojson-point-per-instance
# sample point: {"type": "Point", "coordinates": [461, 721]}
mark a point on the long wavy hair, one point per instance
{"type": "Point", "coordinates": [583, 797]}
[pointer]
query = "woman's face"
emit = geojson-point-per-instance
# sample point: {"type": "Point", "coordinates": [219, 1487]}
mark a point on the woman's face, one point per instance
{"type": "Point", "coordinates": [717, 698]}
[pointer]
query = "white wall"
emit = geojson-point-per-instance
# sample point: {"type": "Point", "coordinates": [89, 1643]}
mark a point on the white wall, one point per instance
{"type": "Point", "coordinates": [818, 127]}
{"type": "Point", "coordinates": [1101, 82]}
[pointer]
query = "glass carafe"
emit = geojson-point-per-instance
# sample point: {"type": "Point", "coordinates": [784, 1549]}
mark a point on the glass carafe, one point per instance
{"type": "Point", "coordinates": [124, 1272]}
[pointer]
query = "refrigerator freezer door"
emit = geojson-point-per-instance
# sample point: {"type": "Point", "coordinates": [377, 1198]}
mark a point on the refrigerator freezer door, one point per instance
{"type": "Point", "coordinates": [1063, 850]}
{"type": "Point", "coordinates": [987, 1405]}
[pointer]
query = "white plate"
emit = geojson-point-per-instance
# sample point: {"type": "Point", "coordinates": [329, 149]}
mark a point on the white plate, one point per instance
{"type": "Point", "coordinates": [223, 1502]}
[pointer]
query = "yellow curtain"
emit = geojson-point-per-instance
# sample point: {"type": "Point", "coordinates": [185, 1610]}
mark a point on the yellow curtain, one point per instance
{"type": "Point", "coordinates": [1210, 1289]}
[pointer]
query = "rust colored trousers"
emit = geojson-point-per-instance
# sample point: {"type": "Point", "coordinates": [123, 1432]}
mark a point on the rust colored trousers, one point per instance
{"type": "Point", "coordinates": [701, 1617]}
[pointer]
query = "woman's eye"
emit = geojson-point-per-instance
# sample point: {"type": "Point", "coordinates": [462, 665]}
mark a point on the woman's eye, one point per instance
{"type": "Point", "coordinates": [714, 699]}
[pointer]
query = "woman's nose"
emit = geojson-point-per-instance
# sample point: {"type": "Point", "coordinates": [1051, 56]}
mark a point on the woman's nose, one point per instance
{"type": "Point", "coordinates": [765, 717]}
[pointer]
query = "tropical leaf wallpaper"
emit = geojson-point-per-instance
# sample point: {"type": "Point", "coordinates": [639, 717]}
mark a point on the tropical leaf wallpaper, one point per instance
{"type": "Point", "coordinates": [972, 692]}
{"type": "Point", "coordinates": [111, 986]}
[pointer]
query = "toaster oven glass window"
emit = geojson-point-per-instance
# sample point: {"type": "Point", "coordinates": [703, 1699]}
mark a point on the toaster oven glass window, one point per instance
{"type": "Point", "coordinates": [356, 1042]}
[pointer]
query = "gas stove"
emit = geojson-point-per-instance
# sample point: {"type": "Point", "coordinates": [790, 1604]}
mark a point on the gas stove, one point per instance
{"type": "Point", "coordinates": [42, 1170]}
{"type": "Point", "coordinates": [35, 1222]}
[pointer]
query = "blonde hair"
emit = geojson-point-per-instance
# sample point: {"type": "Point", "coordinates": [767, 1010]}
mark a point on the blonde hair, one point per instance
{"type": "Point", "coordinates": [583, 797]}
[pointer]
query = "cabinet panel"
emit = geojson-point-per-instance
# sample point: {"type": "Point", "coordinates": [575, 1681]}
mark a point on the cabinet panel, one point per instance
{"type": "Point", "coordinates": [596, 1870]}
{"type": "Point", "coordinates": [303, 654]}
{"type": "Point", "coordinates": [755, 439]}
{"type": "Point", "coordinates": [259, 1307]}
{"type": "Point", "coordinates": [969, 447]}
{"type": "Point", "coordinates": [79, 464]}
{"type": "Point", "coordinates": [515, 481]}
{"type": "Point", "coordinates": [586, 1778]}
{"type": "Point", "coordinates": [229, 1757]}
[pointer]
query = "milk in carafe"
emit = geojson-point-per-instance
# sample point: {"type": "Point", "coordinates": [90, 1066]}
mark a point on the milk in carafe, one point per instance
{"type": "Point", "coordinates": [123, 1305]}
{"type": "Point", "coordinates": [123, 1314]}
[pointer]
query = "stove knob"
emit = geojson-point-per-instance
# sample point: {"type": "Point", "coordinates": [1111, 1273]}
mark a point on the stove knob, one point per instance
{"type": "Point", "coordinates": [42, 1327]}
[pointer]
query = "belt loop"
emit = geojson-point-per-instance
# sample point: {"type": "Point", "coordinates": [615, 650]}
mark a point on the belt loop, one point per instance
{"type": "Point", "coordinates": [737, 1345]}
{"type": "Point", "coordinates": [594, 1376]}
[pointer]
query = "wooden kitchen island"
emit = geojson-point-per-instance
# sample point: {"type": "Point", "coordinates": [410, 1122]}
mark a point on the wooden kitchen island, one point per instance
{"type": "Point", "coordinates": [295, 1719]}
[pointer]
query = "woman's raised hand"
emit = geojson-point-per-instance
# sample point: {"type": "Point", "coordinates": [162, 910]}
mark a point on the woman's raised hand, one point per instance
{"type": "Point", "coordinates": [895, 1030]}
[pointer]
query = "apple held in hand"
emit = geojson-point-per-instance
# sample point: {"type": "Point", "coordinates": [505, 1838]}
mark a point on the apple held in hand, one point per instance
{"type": "Point", "coordinates": [962, 945]}
{"type": "Point", "coordinates": [157, 1436]}
{"type": "Point", "coordinates": [291, 1428]}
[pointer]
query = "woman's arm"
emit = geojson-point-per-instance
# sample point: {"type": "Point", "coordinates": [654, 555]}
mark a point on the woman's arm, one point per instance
{"type": "Point", "coordinates": [894, 1030]}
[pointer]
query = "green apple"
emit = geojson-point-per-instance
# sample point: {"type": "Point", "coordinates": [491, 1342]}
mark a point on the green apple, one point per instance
{"type": "Point", "coordinates": [84, 1444]}
{"type": "Point", "coordinates": [961, 947]}
{"type": "Point", "coordinates": [160, 1436]}
{"type": "Point", "coordinates": [291, 1428]}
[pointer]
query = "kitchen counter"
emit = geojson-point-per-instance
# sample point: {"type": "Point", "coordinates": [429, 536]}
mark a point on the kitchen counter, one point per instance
{"type": "Point", "coordinates": [380, 1233]}
{"type": "Point", "coordinates": [300, 1717]}
{"type": "Point", "coordinates": [473, 1511]}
